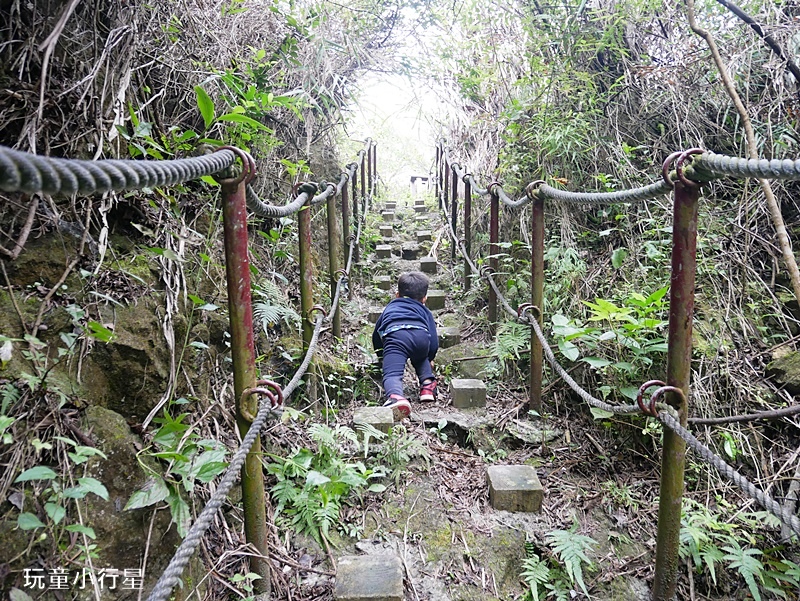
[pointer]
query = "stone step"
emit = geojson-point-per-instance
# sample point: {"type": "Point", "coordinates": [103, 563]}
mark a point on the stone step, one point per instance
{"type": "Point", "coordinates": [428, 265]}
{"type": "Point", "coordinates": [375, 313]}
{"type": "Point", "coordinates": [384, 282]}
{"type": "Point", "coordinates": [468, 393]}
{"type": "Point", "coordinates": [387, 231]}
{"type": "Point", "coordinates": [387, 215]}
{"type": "Point", "coordinates": [410, 251]}
{"type": "Point", "coordinates": [391, 206]}
{"type": "Point", "coordinates": [420, 209]}
{"type": "Point", "coordinates": [436, 299]}
{"type": "Point", "coordinates": [449, 337]}
{"type": "Point", "coordinates": [384, 251]}
{"type": "Point", "coordinates": [514, 488]}
{"type": "Point", "coordinates": [369, 578]}
{"type": "Point", "coordinates": [424, 235]}
{"type": "Point", "coordinates": [380, 418]}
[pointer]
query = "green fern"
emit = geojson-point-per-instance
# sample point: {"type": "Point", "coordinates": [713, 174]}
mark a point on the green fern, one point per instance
{"type": "Point", "coordinates": [744, 561]}
{"type": "Point", "coordinates": [272, 306]}
{"type": "Point", "coordinates": [535, 572]}
{"type": "Point", "coordinates": [512, 338]}
{"type": "Point", "coordinates": [11, 394]}
{"type": "Point", "coordinates": [571, 549]}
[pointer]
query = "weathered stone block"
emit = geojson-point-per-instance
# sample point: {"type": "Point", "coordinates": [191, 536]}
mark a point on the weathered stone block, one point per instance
{"type": "Point", "coordinates": [384, 282]}
{"type": "Point", "coordinates": [468, 393]}
{"type": "Point", "coordinates": [424, 235]}
{"type": "Point", "coordinates": [420, 209]}
{"type": "Point", "coordinates": [435, 299]}
{"type": "Point", "coordinates": [428, 265]}
{"type": "Point", "coordinates": [369, 578]}
{"type": "Point", "coordinates": [449, 337]}
{"type": "Point", "coordinates": [391, 206]}
{"type": "Point", "coordinates": [514, 488]}
{"type": "Point", "coordinates": [384, 251]}
{"type": "Point", "coordinates": [423, 218]}
{"type": "Point", "coordinates": [388, 215]}
{"type": "Point", "coordinates": [387, 231]}
{"type": "Point", "coordinates": [375, 313]}
{"type": "Point", "coordinates": [410, 251]}
{"type": "Point", "coordinates": [419, 202]}
{"type": "Point", "coordinates": [380, 418]}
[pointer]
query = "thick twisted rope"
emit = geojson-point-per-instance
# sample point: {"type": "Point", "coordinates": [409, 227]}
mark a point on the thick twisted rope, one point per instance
{"type": "Point", "coordinates": [765, 500]}
{"type": "Point", "coordinates": [26, 172]}
{"type": "Point", "coordinates": [719, 164]}
{"type": "Point", "coordinates": [631, 195]}
{"type": "Point", "coordinates": [263, 209]}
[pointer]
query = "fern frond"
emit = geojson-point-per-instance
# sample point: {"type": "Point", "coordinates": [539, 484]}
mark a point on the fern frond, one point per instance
{"type": "Point", "coordinates": [744, 562]}
{"type": "Point", "coordinates": [571, 549]}
{"type": "Point", "coordinates": [535, 572]}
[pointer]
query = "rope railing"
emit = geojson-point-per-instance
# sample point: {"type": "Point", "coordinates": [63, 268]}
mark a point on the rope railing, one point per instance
{"type": "Point", "coordinates": [666, 414]}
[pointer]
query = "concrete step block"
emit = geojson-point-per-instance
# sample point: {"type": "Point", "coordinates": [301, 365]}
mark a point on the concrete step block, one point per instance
{"type": "Point", "coordinates": [468, 393]}
{"type": "Point", "coordinates": [436, 299]}
{"type": "Point", "coordinates": [380, 418]}
{"type": "Point", "coordinates": [384, 282]}
{"type": "Point", "coordinates": [384, 251]}
{"type": "Point", "coordinates": [428, 265]}
{"type": "Point", "coordinates": [387, 231]}
{"type": "Point", "coordinates": [388, 215]}
{"type": "Point", "coordinates": [375, 313]}
{"type": "Point", "coordinates": [423, 218]}
{"type": "Point", "coordinates": [449, 337]}
{"type": "Point", "coordinates": [391, 206]}
{"type": "Point", "coordinates": [419, 202]}
{"type": "Point", "coordinates": [420, 209]}
{"type": "Point", "coordinates": [410, 251]}
{"type": "Point", "coordinates": [514, 488]}
{"type": "Point", "coordinates": [424, 235]}
{"type": "Point", "coordinates": [369, 578]}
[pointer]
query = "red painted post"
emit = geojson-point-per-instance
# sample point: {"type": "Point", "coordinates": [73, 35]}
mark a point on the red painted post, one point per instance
{"type": "Point", "coordinates": [364, 189]}
{"type": "Point", "coordinates": [443, 203]}
{"type": "Point", "coordinates": [467, 232]}
{"type": "Point", "coordinates": [346, 224]}
{"type": "Point", "coordinates": [306, 272]}
{"type": "Point", "coordinates": [679, 355]}
{"type": "Point", "coordinates": [494, 238]}
{"type": "Point", "coordinates": [374, 168]}
{"type": "Point", "coordinates": [334, 260]}
{"type": "Point", "coordinates": [537, 300]}
{"type": "Point", "coordinates": [240, 311]}
{"type": "Point", "coordinates": [438, 174]}
{"type": "Point", "coordinates": [356, 253]}
{"type": "Point", "coordinates": [370, 189]}
{"type": "Point", "coordinates": [454, 212]}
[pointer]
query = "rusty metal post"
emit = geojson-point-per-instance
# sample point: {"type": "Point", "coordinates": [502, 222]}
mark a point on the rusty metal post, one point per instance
{"type": "Point", "coordinates": [467, 232]}
{"type": "Point", "coordinates": [446, 188]}
{"type": "Point", "coordinates": [454, 212]}
{"type": "Point", "coordinates": [334, 260]}
{"type": "Point", "coordinates": [240, 311]}
{"type": "Point", "coordinates": [346, 225]}
{"type": "Point", "coordinates": [356, 217]}
{"type": "Point", "coordinates": [364, 190]}
{"type": "Point", "coordinates": [537, 300]}
{"type": "Point", "coordinates": [374, 168]}
{"type": "Point", "coordinates": [679, 355]}
{"type": "Point", "coordinates": [306, 273]}
{"type": "Point", "coordinates": [494, 234]}
{"type": "Point", "coordinates": [370, 189]}
{"type": "Point", "coordinates": [438, 172]}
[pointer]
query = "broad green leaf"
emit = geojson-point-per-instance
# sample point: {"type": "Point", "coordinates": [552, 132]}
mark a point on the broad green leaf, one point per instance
{"type": "Point", "coordinates": [376, 488]}
{"type": "Point", "coordinates": [28, 521]}
{"type": "Point", "coordinates": [239, 118]}
{"type": "Point", "coordinates": [55, 512]}
{"type": "Point", "coordinates": [598, 413]}
{"type": "Point", "coordinates": [596, 362]}
{"type": "Point", "coordinates": [569, 350]}
{"type": "Point", "coordinates": [40, 472]}
{"type": "Point", "coordinates": [315, 478]}
{"type": "Point", "coordinates": [99, 332]}
{"type": "Point", "coordinates": [154, 491]}
{"type": "Point", "coordinates": [206, 106]}
{"type": "Point", "coordinates": [180, 511]}
{"type": "Point", "coordinates": [81, 529]}
{"type": "Point", "coordinates": [86, 486]}
{"type": "Point", "coordinates": [17, 595]}
{"type": "Point", "coordinates": [618, 257]}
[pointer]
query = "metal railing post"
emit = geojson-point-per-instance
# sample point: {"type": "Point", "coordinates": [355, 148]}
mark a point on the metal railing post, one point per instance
{"type": "Point", "coordinates": [356, 253]}
{"type": "Point", "coordinates": [346, 224]}
{"type": "Point", "coordinates": [370, 189]}
{"type": "Point", "coordinates": [437, 170]}
{"type": "Point", "coordinates": [306, 273]}
{"type": "Point", "coordinates": [240, 310]}
{"type": "Point", "coordinates": [679, 355]}
{"type": "Point", "coordinates": [443, 202]}
{"type": "Point", "coordinates": [374, 168]}
{"type": "Point", "coordinates": [454, 212]}
{"type": "Point", "coordinates": [494, 234]}
{"type": "Point", "coordinates": [537, 300]}
{"type": "Point", "coordinates": [467, 232]}
{"type": "Point", "coordinates": [364, 190]}
{"type": "Point", "coordinates": [334, 260]}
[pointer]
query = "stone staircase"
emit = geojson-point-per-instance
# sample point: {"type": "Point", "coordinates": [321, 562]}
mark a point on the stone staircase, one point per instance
{"type": "Point", "coordinates": [512, 488]}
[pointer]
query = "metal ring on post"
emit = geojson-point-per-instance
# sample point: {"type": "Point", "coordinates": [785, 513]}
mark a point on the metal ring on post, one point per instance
{"type": "Point", "coordinates": [315, 308]}
{"type": "Point", "coordinates": [309, 188]}
{"type": "Point", "coordinates": [342, 273]}
{"type": "Point", "coordinates": [679, 167]}
{"type": "Point", "coordinates": [248, 166]}
{"type": "Point", "coordinates": [491, 186]}
{"type": "Point", "coordinates": [257, 390]}
{"type": "Point", "coordinates": [466, 177]}
{"type": "Point", "coordinates": [276, 388]}
{"type": "Point", "coordinates": [486, 270]}
{"type": "Point", "coordinates": [640, 397]}
{"type": "Point", "coordinates": [661, 391]}
{"type": "Point", "coordinates": [667, 164]}
{"type": "Point", "coordinates": [525, 308]}
{"type": "Point", "coordinates": [532, 188]}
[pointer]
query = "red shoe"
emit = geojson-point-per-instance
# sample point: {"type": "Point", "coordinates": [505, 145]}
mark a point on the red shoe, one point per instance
{"type": "Point", "coordinates": [428, 391]}
{"type": "Point", "coordinates": [400, 406]}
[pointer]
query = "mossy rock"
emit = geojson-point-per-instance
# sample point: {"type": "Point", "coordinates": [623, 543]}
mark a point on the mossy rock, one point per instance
{"type": "Point", "coordinates": [785, 372]}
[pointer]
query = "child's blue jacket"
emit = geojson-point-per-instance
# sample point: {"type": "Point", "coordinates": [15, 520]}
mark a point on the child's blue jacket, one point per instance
{"type": "Point", "coordinates": [406, 312]}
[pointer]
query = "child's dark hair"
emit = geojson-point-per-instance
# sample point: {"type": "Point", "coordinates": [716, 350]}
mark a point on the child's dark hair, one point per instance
{"type": "Point", "coordinates": [413, 284]}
